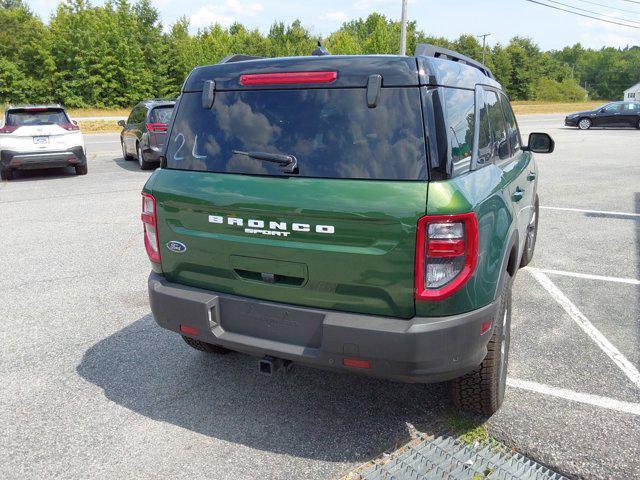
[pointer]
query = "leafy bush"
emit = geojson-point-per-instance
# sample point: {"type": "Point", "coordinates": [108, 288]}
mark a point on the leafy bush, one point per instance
{"type": "Point", "coordinates": [567, 90]}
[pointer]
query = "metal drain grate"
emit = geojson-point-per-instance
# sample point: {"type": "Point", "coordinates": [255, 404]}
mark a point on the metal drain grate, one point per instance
{"type": "Point", "coordinates": [447, 458]}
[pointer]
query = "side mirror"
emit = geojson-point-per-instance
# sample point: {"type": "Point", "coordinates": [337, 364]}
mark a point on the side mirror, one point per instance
{"type": "Point", "coordinates": [75, 122]}
{"type": "Point", "coordinates": [121, 123]}
{"type": "Point", "coordinates": [603, 110]}
{"type": "Point", "coordinates": [540, 143]}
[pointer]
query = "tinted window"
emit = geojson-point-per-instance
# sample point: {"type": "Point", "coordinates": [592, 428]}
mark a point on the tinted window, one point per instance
{"type": "Point", "coordinates": [34, 117]}
{"type": "Point", "coordinates": [631, 106]}
{"type": "Point", "coordinates": [500, 147]}
{"type": "Point", "coordinates": [331, 132]}
{"type": "Point", "coordinates": [460, 111]}
{"type": "Point", "coordinates": [161, 114]}
{"type": "Point", "coordinates": [612, 108]}
{"type": "Point", "coordinates": [512, 125]}
{"type": "Point", "coordinates": [485, 151]}
{"type": "Point", "coordinates": [137, 115]}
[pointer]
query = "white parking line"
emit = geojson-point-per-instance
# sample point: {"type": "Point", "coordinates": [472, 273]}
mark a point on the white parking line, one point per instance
{"type": "Point", "coordinates": [597, 212]}
{"type": "Point", "coordinates": [583, 322]}
{"type": "Point", "coordinates": [630, 281]}
{"type": "Point", "coordinates": [586, 398]}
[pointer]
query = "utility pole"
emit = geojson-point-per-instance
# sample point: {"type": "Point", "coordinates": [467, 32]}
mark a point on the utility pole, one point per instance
{"type": "Point", "coordinates": [484, 47]}
{"type": "Point", "coordinates": [403, 29]}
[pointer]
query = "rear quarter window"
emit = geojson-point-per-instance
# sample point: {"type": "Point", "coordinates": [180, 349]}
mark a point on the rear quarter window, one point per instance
{"type": "Point", "coordinates": [460, 112]}
{"type": "Point", "coordinates": [331, 132]}
{"type": "Point", "coordinates": [161, 114]}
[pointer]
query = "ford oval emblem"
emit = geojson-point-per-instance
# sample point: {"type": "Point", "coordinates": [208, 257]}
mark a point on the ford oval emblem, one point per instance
{"type": "Point", "coordinates": [177, 247]}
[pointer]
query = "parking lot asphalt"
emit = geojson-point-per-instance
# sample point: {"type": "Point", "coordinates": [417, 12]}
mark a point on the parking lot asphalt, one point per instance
{"type": "Point", "coordinates": [91, 388]}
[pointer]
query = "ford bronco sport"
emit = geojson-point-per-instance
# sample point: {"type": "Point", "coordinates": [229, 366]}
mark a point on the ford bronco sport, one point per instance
{"type": "Point", "coordinates": [354, 213]}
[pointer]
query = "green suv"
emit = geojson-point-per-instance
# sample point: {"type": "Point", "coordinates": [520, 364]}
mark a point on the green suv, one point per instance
{"type": "Point", "coordinates": [355, 213]}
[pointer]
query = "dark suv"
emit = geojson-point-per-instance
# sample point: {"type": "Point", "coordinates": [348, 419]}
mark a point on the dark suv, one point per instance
{"type": "Point", "coordinates": [145, 132]}
{"type": "Point", "coordinates": [355, 213]}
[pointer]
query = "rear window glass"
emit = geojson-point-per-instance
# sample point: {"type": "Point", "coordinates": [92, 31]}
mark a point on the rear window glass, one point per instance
{"type": "Point", "coordinates": [25, 118]}
{"type": "Point", "coordinates": [331, 132]}
{"type": "Point", "coordinates": [161, 114]}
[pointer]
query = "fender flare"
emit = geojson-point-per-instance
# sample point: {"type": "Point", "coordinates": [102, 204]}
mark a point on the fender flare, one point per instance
{"type": "Point", "coordinates": [510, 262]}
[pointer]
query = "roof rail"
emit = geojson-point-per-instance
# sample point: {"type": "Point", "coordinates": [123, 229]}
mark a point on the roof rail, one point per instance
{"type": "Point", "coordinates": [239, 58]}
{"type": "Point", "coordinates": [427, 50]}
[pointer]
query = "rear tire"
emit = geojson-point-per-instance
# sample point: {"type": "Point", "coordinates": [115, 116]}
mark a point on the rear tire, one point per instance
{"type": "Point", "coordinates": [6, 175]}
{"type": "Point", "coordinates": [205, 347]}
{"type": "Point", "coordinates": [585, 124]}
{"type": "Point", "coordinates": [144, 165]}
{"type": "Point", "coordinates": [481, 392]}
{"type": "Point", "coordinates": [638, 125]}
{"type": "Point", "coordinates": [532, 236]}
{"type": "Point", "coordinates": [82, 169]}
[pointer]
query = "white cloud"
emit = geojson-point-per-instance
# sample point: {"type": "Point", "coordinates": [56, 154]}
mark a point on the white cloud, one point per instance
{"type": "Point", "coordinates": [224, 13]}
{"type": "Point", "coordinates": [607, 34]}
{"type": "Point", "coordinates": [334, 16]}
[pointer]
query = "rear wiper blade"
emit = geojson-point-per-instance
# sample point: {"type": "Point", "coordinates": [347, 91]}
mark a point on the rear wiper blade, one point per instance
{"type": "Point", "coordinates": [288, 161]}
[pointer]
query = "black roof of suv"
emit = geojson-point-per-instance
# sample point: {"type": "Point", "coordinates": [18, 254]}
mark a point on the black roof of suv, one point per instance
{"type": "Point", "coordinates": [431, 65]}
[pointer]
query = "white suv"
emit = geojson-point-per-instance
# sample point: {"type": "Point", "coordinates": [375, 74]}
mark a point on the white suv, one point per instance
{"type": "Point", "coordinates": [40, 137]}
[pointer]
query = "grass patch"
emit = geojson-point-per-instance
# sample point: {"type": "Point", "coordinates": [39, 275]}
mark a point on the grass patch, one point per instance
{"type": "Point", "coordinates": [98, 112]}
{"type": "Point", "coordinates": [100, 126]}
{"type": "Point", "coordinates": [524, 108]}
{"type": "Point", "coordinates": [469, 430]}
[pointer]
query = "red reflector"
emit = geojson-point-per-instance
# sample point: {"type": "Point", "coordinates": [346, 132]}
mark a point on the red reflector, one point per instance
{"type": "Point", "coordinates": [189, 330]}
{"type": "Point", "coordinates": [445, 248]}
{"type": "Point", "coordinates": [289, 78]}
{"type": "Point", "coordinates": [355, 363]}
{"type": "Point", "coordinates": [485, 327]}
{"type": "Point", "coordinates": [149, 219]}
{"type": "Point", "coordinates": [157, 127]}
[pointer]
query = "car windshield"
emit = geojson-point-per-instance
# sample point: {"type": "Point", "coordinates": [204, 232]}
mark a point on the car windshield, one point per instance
{"type": "Point", "coordinates": [161, 114]}
{"type": "Point", "coordinates": [331, 132]}
{"type": "Point", "coordinates": [35, 117]}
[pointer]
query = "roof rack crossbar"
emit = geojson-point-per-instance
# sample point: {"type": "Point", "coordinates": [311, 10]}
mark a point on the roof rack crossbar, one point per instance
{"type": "Point", "coordinates": [239, 58]}
{"type": "Point", "coordinates": [428, 50]}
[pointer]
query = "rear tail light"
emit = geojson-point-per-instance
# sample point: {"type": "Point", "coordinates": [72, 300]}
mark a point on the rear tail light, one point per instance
{"type": "Point", "coordinates": [289, 78]}
{"type": "Point", "coordinates": [72, 127]}
{"type": "Point", "coordinates": [149, 220]}
{"type": "Point", "coordinates": [9, 128]}
{"type": "Point", "coordinates": [446, 254]}
{"type": "Point", "coordinates": [157, 127]}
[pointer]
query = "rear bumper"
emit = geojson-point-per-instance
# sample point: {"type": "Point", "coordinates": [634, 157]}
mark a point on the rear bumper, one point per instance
{"type": "Point", "coordinates": [417, 350]}
{"type": "Point", "coordinates": [152, 154]}
{"type": "Point", "coordinates": [42, 159]}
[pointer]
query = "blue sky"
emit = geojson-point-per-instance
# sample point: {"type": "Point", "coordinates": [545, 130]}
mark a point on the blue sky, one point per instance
{"type": "Point", "coordinates": [504, 19]}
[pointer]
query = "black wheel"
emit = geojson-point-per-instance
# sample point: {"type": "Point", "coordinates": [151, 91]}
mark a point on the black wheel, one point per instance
{"type": "Point", "coordinates": [638, 125]}
{"type": "Point", "coordinates": [144, 165]}
{"type": "Point", "coordinates": [585, 124]}
{"type": "Point", "coordinates": [125, 155]}
{"type": "Point", "coordinates": [481, 392]}
{"type": "Point", "coordinates": [82, 169]}
{"type": "Point", "coordinates": [6, 174]}
{"type": "Point", "coordinates": [205, 347]}
{"type": "Point", "coordinates": [532, 236]}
